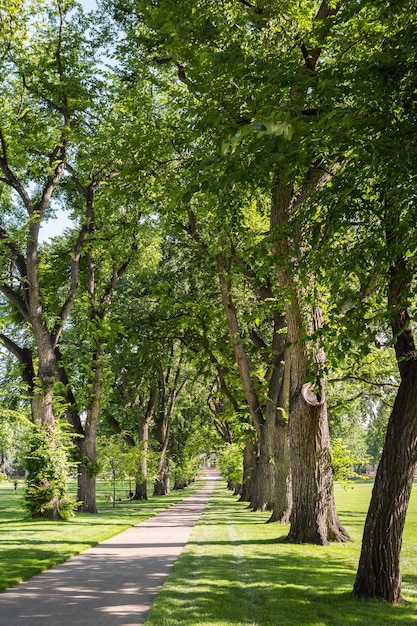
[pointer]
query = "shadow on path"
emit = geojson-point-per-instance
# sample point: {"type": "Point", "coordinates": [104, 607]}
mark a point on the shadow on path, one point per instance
{"type": "Point", "coordinates": [113, 583]}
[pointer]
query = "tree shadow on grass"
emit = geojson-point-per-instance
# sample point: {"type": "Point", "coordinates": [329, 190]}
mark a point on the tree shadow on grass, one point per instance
{"type": "Point", "coordinates": [268, 590]}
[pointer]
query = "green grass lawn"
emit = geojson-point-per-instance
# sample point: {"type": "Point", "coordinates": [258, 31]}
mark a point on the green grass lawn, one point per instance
{"type": "Point", "coordinates": [28, 546]}
{"type": "Point", "coordinates": [237, 570]}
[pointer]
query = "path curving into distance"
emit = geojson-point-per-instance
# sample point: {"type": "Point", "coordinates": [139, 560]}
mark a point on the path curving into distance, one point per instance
{"type": "Point", "coordinates": [112, 584]}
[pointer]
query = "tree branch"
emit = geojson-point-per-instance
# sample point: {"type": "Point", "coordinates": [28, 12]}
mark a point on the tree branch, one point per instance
{"type": "Point", "coordinates": [24, 356]}
{"type": "Point", "coordinates": [75, 264]}
{"type": "Point", "coordinates": [362, 380]}
{"type": "Point", "coordinates": [16, 300]}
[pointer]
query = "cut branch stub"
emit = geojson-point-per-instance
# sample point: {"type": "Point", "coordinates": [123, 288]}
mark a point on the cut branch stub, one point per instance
{"type": "Point", "coordinates": [307, 391]}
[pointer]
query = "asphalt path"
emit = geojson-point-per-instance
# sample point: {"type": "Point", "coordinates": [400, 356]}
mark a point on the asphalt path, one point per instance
{"type": "Point", "coordinates": [112, 584]}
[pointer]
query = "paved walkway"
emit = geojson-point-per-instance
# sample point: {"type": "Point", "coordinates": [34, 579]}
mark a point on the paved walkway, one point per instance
{"type": "Point", "coordinates": [112, 584]}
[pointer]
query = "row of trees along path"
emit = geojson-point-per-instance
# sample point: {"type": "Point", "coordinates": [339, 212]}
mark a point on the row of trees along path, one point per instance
{"type": "Point", "coordinates": [214, 161]}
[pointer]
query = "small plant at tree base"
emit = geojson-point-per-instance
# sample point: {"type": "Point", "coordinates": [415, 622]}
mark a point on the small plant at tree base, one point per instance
{"type": "Point", "coordinates": [231, 464]}
{"type": "Point", "coordinates": [46, 461]}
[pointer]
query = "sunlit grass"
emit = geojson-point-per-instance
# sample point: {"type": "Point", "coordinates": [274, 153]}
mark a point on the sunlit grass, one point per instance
{"type": "Point", "coordinates": [28, 546]}
{"type": "Point", "coordinates": [237, 570]}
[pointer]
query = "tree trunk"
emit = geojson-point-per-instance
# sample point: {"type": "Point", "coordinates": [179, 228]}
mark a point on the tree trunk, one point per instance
{"type": "Point", "coordinates": [378, 574]}
{"type": "Point", "coordinates": [141, 491]}
{"type": "Point", "coordinates": [161, 485]}
{"type": "Point", "coordinates": [249, 460]}
{"type": "Point", "coordinates": [86, 489]}
{"type": "Point", "coordinates": [271, 476]}
{"type": "Point", "coordinates": [41, 405]}
{"type": "Point", "coordinates": [41, 401]}
{"type": "Point", "coordinates": [270, 472]}
{"type": "Point", "coordinates": [282, 497]}
{"type": "Point", "coordinates": [88, 470]}
{"type": "Point", "coordinates": [314, 518]}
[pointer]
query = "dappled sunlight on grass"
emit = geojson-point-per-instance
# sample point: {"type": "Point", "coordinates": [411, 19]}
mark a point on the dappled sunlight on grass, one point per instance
{"type": "Point", "coordinates": [29, 546]}
{"type": "Point", "coordinates": [239, 570]}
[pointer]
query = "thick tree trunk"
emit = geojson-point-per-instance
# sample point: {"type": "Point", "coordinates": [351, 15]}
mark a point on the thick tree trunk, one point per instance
{"type": "Point", "coordinates": [41, 405]}
{"type": "Point", "coordinates": [270, 486]}
{"type": "Point", "coordinates": [277, 414]}
{"type": "Point", "coordinates": [249, 460]}
{"type": "Point", "coordinates": [313, 518]}
{"type": "Point", "coordinates": [41, 402]}
{"type": "Point", "coordinates": [86, 489]}
{"type": "Point", "coordinates": [141, 491]}
{"type": "Point", "coordinates": [378, 573]}
{"type": "Point", "coordinates": [263, 479]}
{"type": "Point", "coordinates": [282, 499]}
{"type": "Point", "coordinates": [86, 486]}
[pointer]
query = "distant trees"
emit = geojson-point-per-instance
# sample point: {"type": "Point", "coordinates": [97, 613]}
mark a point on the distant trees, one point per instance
{"type": "Point", "coordinates": [242, 258]}
{"type": "Point", "coordinates": [278, 100]}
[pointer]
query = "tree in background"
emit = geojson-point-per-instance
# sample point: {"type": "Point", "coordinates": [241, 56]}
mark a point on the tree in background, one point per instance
{"type": "Point", "coordinates": [47, 87]}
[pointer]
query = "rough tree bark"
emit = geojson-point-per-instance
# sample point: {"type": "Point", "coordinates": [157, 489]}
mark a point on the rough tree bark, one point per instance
{"type": "Point", "coordinates": [313, 518]}
{"type": "Point", "coordinates": [270, 474]}
{"type": "Point", "coordinates": [378, 574]}
{"type": "Point", "coordinates": [249, 460]}
{"type": "Point", "coordinates": [270, 479]}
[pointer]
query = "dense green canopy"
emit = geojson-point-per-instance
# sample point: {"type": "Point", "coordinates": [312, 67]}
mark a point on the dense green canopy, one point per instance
{"type": "Point", "coordinates": [238, 276]}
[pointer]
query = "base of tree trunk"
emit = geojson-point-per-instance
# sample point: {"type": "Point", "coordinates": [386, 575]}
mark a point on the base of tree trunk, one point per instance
{"type": "Point", "coordinates": [281, 519]}
{"type": "Point", "coordinates": [160, 488]}
{"type": "Point", "coordinates": [320, 537]}
{"type": "Point", "coordinates": [86, 493]}
{"type": "Point", "coordinates": [51, 513]}
{"type": "Point", "coordinates": [237, 489]}
{"type": "Point", "coordinates": [141, 492]}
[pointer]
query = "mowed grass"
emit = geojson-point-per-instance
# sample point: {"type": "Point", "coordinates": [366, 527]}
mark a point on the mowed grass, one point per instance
{"type": "Point", "coordinates": [28, 546]}
{"type": "Point", "coordinates": [237, 570]}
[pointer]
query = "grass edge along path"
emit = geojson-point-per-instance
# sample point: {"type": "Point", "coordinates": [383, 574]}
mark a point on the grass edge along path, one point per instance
{"type": "Point", "coordinates": [237, 570]}
{"type": "Point", "coordinates": [28, 547]}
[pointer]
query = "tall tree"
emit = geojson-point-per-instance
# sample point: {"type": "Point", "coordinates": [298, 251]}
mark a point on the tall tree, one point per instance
{"type": "Point", "coordinates": [373, 206]}
{"type": "Point", "coordinates": [223, 76]}
{"type": "Point", "coordinates": [45, 91]}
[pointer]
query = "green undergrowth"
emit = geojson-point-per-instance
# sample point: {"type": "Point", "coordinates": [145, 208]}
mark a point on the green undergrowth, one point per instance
{"type": "Point", "coordinates": [28, 546]}
{"type": "Point", "coordinates": [238, 570]}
